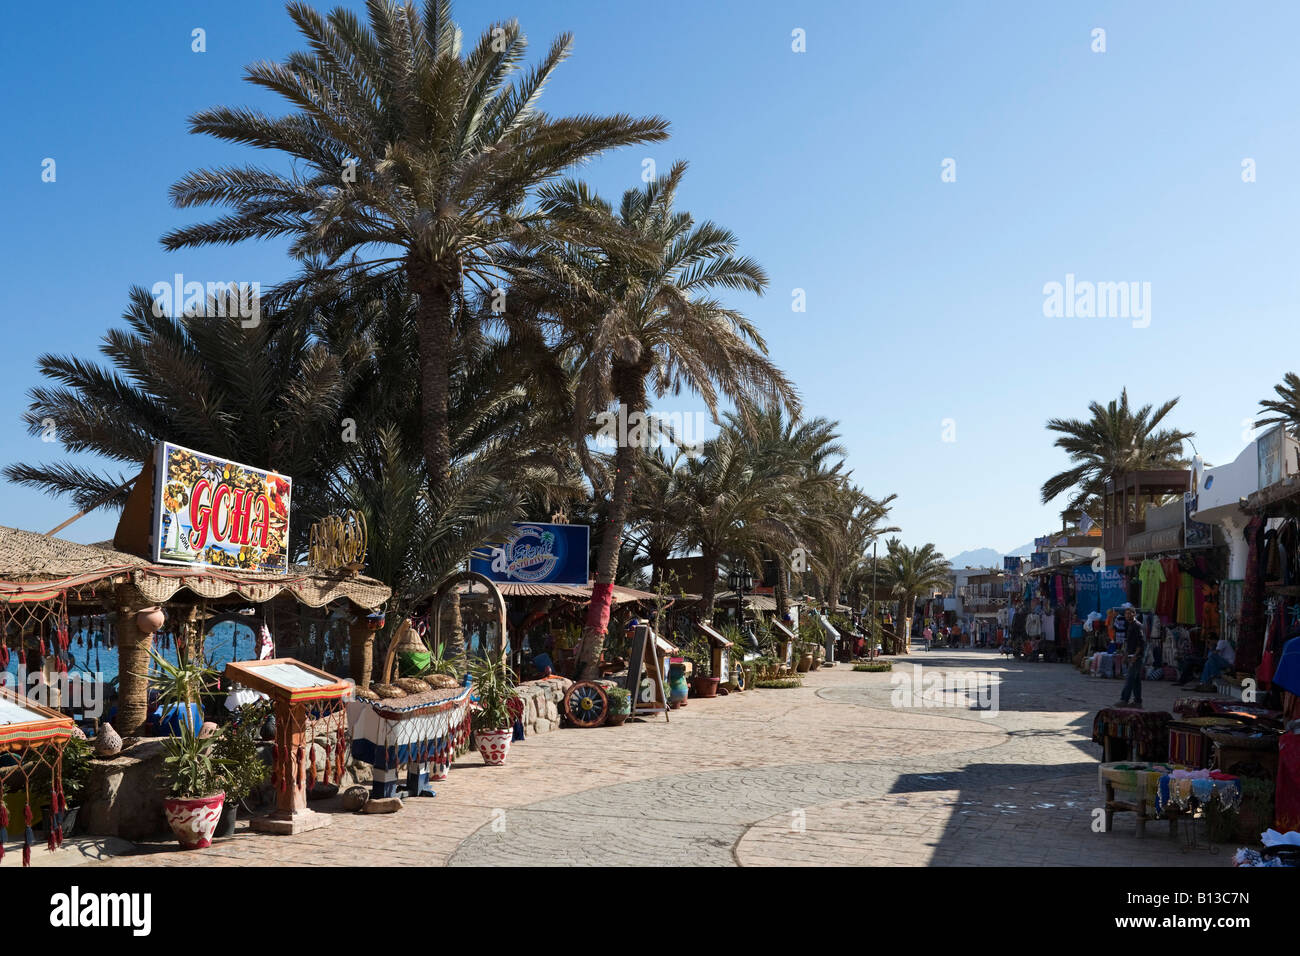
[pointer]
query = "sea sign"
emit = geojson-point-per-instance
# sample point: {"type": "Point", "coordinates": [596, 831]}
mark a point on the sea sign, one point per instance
{"type": "Point", "coordinates": [218, 513]}
{"type": "Point", "coordinates": [539, 554]}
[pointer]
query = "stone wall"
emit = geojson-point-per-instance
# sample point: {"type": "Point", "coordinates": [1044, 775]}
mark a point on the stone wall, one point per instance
{"type": "Point", "coordinates": [124, 796]}
{"type": "Point", "coordinates": [542, 703]}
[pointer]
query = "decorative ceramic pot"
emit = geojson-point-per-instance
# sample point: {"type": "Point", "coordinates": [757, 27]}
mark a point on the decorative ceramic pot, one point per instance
{"type": "Point", "coordinates": [677, 691]}
{"type": "Point", "coordinates": [805, 663]}
{"type": "Point", "coordinates": [440, 771]}
{"type": "Point", "coordinates": [194, 819]}
{"type": "Point", "coordinates": [705, 686]}
{"type": "Point", "coordinates": [150, 619]}
{"type": "Point", "coordinates": [494, 745]}
{"type": "Point", "coordinates": [108, 742]}
{"type": "Point", "coordinates": [816, 662]}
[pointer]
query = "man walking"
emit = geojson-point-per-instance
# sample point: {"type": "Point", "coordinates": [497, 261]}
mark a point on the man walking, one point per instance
{"type": "Point", "coordinates": [1129, 632]}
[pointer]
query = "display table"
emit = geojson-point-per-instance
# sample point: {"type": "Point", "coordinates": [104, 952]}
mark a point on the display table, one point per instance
{"type": "Point", "coordinates": [1188, 790]}
{"type": "Point", "coordinates": [421, 731]}
{"type": "Point", "coordinates": [1135, 734]}
{"type": "Point", "coordinates": [32, 737]}
{"type": "Point", "coordinates": [1140, 780]}
{"type": "Point", "coordinates": [308, 704]}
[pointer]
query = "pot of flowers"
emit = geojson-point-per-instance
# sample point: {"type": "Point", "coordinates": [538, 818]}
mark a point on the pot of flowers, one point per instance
{"type": "Point", "coordinates": [193, 777]}
{"type": "Point", "coordinates": [493, 720]}
{"type": "Point", "coordinates": [620, 706]}
{"type": "Point", "coordinates": [244, 771]}
{"type": "Point", "coordinates": [700, 654]}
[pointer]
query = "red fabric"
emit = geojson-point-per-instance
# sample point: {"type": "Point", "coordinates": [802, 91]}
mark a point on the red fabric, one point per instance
{"type": "Point", "coordinates": [1287, 798]}
{"type": "Point", "coordinates": [602, 597]}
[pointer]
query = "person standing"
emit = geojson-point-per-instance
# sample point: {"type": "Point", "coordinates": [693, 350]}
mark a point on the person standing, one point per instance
{"type": "Point", "coordinates": [1129, 631]}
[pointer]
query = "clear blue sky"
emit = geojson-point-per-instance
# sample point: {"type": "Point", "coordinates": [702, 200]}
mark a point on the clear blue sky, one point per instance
{"type": "Point", "coordinates": [924, 298]}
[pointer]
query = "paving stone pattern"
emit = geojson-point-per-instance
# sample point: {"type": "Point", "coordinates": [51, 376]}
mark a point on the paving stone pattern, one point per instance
{"type": "Point", "coordinates": [828, 774]}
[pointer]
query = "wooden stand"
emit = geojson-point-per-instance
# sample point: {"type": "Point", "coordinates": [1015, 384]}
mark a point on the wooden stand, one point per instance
{"type": "Point", "coordinates": [292, 686]}
{"type": "Point", "coordinates": [645, 659]}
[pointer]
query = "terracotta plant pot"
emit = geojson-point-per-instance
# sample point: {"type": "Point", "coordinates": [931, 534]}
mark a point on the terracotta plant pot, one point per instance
{"type": "Point", "coordinates": [494, 745]}
{"type": "Point", "coordinates": [816, 662]}
{"type": "Point", "coordinates": [804, 664]}
{"type": "Point", "coordinates": [704, 686]}
{"type": "Point", "coordinates": [194, 819]}
{"type": "Point", "coordinates": [613, 720]}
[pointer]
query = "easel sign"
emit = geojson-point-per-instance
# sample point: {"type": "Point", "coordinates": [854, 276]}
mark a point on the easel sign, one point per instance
{"type": "Point", "coordinates": [790, 639]}
{"type": "Point", "coordinates": [720, 649]}
{"type": "Point", "coordinates": [294, 687]}
{"type": "Point", "coordinates": [645, 679]}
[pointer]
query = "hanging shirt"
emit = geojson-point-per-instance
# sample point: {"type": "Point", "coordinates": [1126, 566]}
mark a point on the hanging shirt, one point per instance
{"type": "Point", "coordinates": [1186, 600]}
{"type": "Point", "coordinates": [1152, 576]}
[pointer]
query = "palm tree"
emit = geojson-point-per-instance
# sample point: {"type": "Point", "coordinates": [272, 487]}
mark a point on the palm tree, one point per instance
{"type": "Point", "coordinates": [736, 506]}
{"type": "Point", "coordinates": [410, 151]}
{"type": "Point", "coordinates": [269, 395]}
{"type": "Point", "coordinates": [646, 325]}
{"type": "Point", "coordinates": [909, 573]}
{"type": "Point", "coordinates": [805, 450]}
{"type": "Point", "coordinates": [655, 517]}
{"type": "Point", "coordinates": [1286, 407]}
{"type": "Point", "coordinates": [1115, 439]}
{"type": "Point", "coordinates": [853, 520]}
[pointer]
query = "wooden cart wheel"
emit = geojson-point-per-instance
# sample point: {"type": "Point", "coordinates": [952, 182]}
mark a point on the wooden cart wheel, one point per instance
{"type": "Point", "coordinates": [586, 704]}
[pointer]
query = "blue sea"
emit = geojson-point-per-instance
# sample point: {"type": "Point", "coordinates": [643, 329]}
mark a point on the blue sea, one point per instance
{"type": "Point", "coordinates": [226, 642]}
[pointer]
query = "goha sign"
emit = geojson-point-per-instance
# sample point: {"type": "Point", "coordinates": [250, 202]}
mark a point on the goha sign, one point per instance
{"type": "Point", "coordinates": [218, 513]}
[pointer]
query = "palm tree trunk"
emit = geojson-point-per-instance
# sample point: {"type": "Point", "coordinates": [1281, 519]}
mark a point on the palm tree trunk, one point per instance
{"type": "Point", "coordinates": [436, 285]}
{"type": "Point", "coordinates": [778, 590]}
{"type": "Point", "coordinates": [602, 592]}
{"type": "Point", "coordinates": [710, 561]}
{"type": "Point", "coordinates": [361, 652]}
{"type": "Point", "coordinates": [133, 665]}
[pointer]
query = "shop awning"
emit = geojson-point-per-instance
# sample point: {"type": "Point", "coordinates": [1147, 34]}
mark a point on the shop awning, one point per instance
{"type": "Point", "coordinates": [33, 564]}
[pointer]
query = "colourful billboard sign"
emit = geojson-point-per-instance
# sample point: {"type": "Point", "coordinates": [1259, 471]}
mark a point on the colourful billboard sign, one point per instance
{"type": "Point", "coordinates": [217, 513]}
{"type": "Point", "coordinates": [537, 553]}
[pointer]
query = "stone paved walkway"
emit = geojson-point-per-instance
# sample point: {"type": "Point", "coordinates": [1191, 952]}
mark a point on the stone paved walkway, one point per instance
{"type": "Point", "coordinates": [830, 773]}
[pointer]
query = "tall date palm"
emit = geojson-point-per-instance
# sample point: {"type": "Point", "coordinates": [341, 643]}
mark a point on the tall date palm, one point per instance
{"type": "Point", "coordinates": [409, 154]}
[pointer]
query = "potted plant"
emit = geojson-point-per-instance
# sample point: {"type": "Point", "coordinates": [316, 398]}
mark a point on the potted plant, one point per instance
{"type": "Point", "coordinates": [180, 688]}
{"type": "Point", "coordinates": [803, 657]}
{"type": "Point", "coordinates": [699, 652]}
{"type": "Point", "coordinates": [620, 705]}
{"type": "Point", "coordinates": [493, 720]}
{"type": "Point", "coordinates": [193, 776]}
{"type": "Point", "coordinates": [244, 770]}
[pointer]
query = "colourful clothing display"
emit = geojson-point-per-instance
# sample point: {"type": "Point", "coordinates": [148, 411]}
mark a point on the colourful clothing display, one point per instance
{"type": "Point", "coordinates": [1152, 576]}
{"type": "Point", "coordinates": [1186, 600]}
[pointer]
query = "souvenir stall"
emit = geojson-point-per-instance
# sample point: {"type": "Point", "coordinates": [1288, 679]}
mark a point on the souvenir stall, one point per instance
{"type": "Point", "coordinates": [32, 739]}
{"type": "Point", "coordinates": [1047, 603]}
{"type": "Point", "coordinates": [420, 723]}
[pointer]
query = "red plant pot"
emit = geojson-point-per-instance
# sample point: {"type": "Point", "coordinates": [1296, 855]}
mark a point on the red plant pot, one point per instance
{"type": "Point", "coordinates": [705, 686]}
{"type": "Point", "coordinates": [194, 819]}
{"type": "Point", "coordinates": [494, 745]}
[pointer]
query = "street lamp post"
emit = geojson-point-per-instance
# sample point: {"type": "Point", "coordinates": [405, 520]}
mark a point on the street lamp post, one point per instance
{"type": "Point", "coordinates": [740, 580]}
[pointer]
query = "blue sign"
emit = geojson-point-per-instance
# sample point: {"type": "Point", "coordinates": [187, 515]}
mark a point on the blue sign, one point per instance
{"type": "Point", "coordinates": [1113, 591]}
{"type": "Point", "coordinates": [538, 553]}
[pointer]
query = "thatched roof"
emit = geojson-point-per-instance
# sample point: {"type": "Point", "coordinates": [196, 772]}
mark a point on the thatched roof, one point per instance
{"type": "Point", "coordinates": [32, 565]}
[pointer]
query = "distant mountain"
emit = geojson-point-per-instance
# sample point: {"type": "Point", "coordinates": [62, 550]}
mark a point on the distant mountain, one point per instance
{"type": "Point", "coordinates": [979, 558]}
{"type": "Point", "coordinates": [988, 557]}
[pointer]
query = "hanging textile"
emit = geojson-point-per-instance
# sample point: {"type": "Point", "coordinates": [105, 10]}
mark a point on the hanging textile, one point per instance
{"type": "Point", "coordinates": [1250, 636]}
